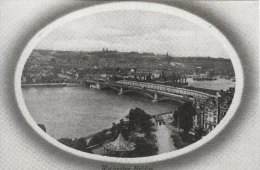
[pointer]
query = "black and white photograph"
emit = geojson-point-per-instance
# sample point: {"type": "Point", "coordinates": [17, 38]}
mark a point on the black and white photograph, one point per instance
{"type": "Point", "coordinates": [126, 84]}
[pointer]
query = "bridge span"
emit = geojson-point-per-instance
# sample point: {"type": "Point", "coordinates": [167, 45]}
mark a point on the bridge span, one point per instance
{"type": "Point", "coordinates": [156, 92]}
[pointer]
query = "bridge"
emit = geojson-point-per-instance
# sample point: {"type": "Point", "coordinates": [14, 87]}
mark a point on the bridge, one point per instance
{"type": "Point", "coordinates": [156, 92]}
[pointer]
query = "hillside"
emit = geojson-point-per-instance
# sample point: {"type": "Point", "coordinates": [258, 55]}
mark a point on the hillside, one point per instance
{"type": "Point", "coordinates": [39, 59]}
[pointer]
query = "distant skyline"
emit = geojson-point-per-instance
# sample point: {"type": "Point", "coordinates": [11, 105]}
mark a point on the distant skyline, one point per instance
{"type": "Point", "coordinates": [140, 31]}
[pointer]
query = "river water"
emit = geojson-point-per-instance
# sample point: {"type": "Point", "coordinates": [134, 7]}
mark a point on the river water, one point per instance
{"type": "Point", "coordinates": [219, 84]}
{"type": "Point", "coordinates": [77, 111]}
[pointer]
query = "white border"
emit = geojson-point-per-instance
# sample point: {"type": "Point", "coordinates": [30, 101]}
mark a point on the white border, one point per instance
{"type": "Point", "coordinates": [153, 7]}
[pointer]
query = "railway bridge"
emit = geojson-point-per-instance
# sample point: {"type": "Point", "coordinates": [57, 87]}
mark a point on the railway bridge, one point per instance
{"type": "Point", "coordinates": [156, 92]}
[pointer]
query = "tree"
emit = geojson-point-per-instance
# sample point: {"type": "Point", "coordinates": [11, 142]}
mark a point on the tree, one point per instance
{"type": "Point", "coordinates": [184, 116]}
{"type": "Point", "coordinates": [66, 141]}
{"type": "Point", "coordinates": [80, 144]}
{"type": "Point", "coordinates": [138, 119]}
{"type": "Point", "coordinates": [143, 148]}
{"type": "Point", "coordinates": [99, 138]}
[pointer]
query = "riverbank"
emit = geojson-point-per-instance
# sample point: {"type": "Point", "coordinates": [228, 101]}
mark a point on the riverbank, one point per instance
{"type": "Point", "coordinates": [50, 85]}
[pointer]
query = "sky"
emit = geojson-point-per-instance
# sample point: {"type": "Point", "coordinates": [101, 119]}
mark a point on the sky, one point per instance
{"type": "Point", "coordinates": [133, 30]}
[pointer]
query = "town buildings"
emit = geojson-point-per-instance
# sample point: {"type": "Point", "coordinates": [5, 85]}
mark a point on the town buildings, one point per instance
{"type": "Point", "coordinates": [211, 111]}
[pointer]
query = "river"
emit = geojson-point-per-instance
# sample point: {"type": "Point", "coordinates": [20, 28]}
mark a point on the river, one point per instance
{"type": "Point", "coordinates": [77, 111]}
{"type": "Point", "coordinates": [219, 84]}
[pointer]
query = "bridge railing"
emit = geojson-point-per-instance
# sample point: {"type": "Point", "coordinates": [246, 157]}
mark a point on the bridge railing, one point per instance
{"type": "Point", "coordinates": [164, 88]}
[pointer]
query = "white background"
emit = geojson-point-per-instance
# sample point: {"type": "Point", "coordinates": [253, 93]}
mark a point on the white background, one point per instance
{"type": "Point", "coordinates": [237, 147]}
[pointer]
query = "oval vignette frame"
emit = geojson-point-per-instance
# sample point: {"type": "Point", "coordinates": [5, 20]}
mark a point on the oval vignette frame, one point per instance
{"type": "Point", "coordinates": [146, 6]}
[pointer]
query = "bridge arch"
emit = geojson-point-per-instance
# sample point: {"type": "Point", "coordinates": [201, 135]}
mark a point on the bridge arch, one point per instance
{"type": "Point", "coordinates": [111, 87]}
{"type": "Point", "coordinates": [178, 101]}
{"type": "Point", "coordinates": [151, 96]}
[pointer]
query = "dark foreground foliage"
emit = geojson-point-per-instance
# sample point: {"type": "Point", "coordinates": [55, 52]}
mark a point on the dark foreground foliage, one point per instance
{"type": "Point", "coordinates": [138, 131]}
{"type": "Point", "coordinates": [79, 144]}
{"type": "Point", "coordinates": [184, 117]}
{"type": "Point", "coordinates": [100, 138]}
{"type": "Point", "coordinates": [143, 148]}
{"type": "Point", "coordinates": [139, 119]}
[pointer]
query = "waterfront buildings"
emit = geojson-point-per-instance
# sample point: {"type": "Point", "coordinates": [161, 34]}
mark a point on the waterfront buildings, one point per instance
{"type": "Point", "coordinates": [225, 101]}
{"type": "Point", "coordinates": [211, 111]}
{"type": "Point", "coordinates": [210, 114]}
